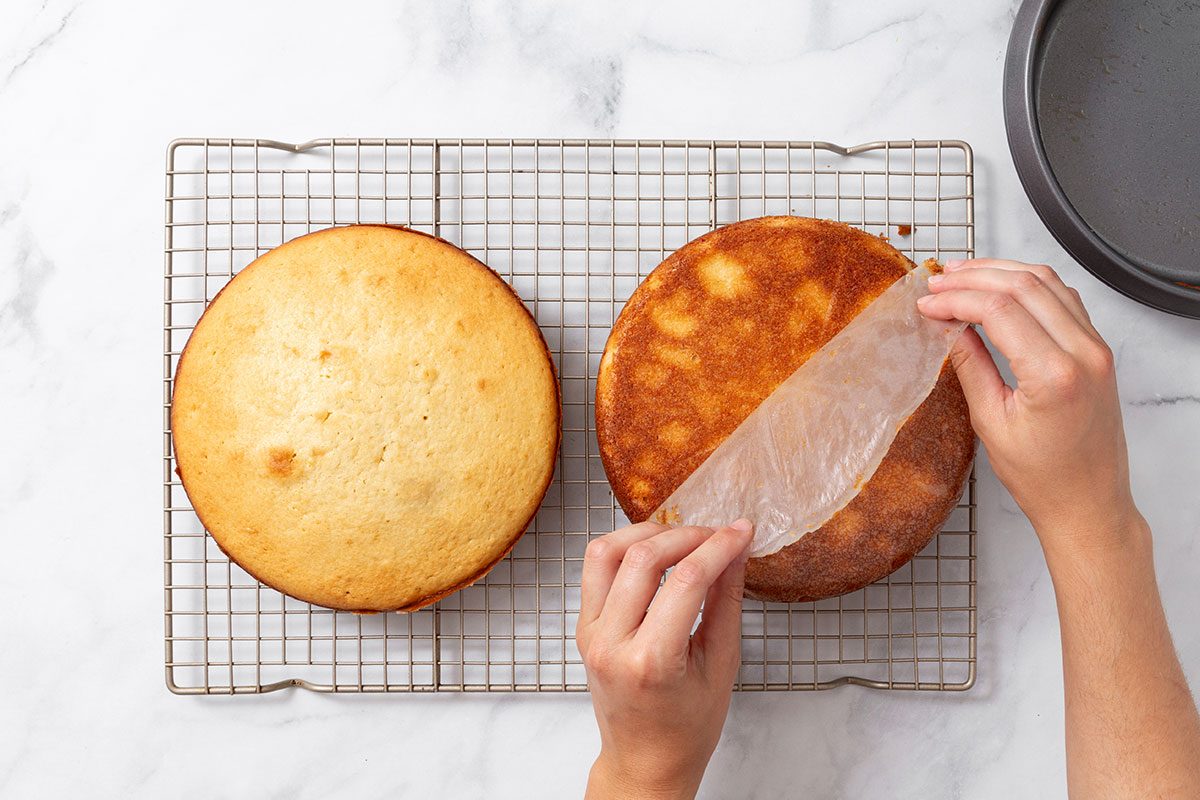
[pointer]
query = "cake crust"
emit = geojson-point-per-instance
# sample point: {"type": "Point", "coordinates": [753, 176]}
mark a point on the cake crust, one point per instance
{"type": "Point", "coordinates": [711, 332]}
{"type": "Point", "coordinates": [366, 418]}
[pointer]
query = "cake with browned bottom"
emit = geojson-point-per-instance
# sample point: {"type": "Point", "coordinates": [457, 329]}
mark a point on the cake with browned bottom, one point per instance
{"type": "Point", "coordinates": [709, 335]}
{"type": "Point", "coordinates": [366, 418]}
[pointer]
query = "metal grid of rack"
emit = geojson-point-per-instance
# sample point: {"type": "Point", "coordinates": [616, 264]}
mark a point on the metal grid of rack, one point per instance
{"type": "Point", "coordinates": [574, 226]}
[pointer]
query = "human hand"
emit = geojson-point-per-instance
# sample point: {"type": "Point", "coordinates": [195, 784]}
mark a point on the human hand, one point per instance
{"type": "Point", "coordinates": [660, 692]}
{"type": "Point", "coordinates": [1056, 439]}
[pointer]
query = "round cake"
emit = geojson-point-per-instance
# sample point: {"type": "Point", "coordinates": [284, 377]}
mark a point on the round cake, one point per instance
{"type": "Point", "coordinates": [366, 418]}
{"type": "Point", "coordinates": [709, 335]}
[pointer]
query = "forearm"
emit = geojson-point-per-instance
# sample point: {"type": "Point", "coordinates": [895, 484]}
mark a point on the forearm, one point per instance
{"type": "Point", "coordinates": [610, 781]}
{"type": "Point", "coordinates": [1132, 727]}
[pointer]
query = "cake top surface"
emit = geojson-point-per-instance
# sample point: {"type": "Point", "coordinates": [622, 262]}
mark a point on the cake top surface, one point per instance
{"type": "Point", "coordinates": [366, 418]}
{"type": "Point", "coordinates": [713, 330]}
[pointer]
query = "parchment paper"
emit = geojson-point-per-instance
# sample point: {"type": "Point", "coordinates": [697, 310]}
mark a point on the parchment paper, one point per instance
{"type": "Point", "coordinates": [809, 448]}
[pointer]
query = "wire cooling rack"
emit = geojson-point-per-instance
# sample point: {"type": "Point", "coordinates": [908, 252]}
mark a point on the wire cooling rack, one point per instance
{"type": "Point", "coordinates": [574, 226]}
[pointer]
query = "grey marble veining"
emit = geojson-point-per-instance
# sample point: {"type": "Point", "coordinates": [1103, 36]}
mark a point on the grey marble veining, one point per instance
{"type": "Point", "coordinates": [89, 95]}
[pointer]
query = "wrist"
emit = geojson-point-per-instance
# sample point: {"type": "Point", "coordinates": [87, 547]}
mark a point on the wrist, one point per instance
{"type": "Point", "coordinates": [1093, 531]}
{"type": "Point", "coordinates": [1091, 547]}
{"type": "Point", "coordinates": [615, 777]}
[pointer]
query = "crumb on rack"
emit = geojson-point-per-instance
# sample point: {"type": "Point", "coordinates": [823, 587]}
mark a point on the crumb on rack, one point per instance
{"type": "Point", "coordinates": [904, 230]}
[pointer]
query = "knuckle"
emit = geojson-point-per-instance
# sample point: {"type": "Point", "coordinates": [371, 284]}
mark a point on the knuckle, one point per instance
{"type": "Point", "coordinates": [1101, 359]}
{"type": "Point", "coordinates": [735, 592]}
{"type": "Point", "coordinates": [583, 639]}
{"type": "Point", "coordinates": [599, 659]}
{"type": "Point", "coordinates": [959, 356]}
{"type": "Point", "coordinates": [1027, 282]}
{"type": "Point", "coordinates": [997, 303]}
{"type": "Point", "coordinates": [689, 574]}
{"type": "Point", "coordinates": [1044, 272]}
{"type": "Point", "coordinates": [642, 556]}
{"type": "Point", "coordinates": [644, 667]}
{"type": "Point", "coordinates": [1062, 375]}
{"type": "Point", "coordinates": [598, 549]}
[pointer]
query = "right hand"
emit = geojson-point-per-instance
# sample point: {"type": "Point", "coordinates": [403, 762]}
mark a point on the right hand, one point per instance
{"type": "Point", "coordinates": [1055, 439]}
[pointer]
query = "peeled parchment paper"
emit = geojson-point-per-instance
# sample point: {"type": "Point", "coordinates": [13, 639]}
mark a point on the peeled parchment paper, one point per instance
{"type": "Point", "coordinates": [809, 448]}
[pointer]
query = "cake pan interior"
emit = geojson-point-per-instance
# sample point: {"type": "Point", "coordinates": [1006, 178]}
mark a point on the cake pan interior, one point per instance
{"type": "Point", "coordinates": [1103, 117]}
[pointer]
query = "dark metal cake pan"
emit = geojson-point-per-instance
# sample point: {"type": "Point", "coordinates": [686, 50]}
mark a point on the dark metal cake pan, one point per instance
{"type": "Point", "coordinates": [1102, 110]}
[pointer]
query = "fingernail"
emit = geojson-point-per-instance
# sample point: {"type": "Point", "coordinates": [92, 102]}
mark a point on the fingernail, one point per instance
{"type": "Point", "coordinates": [742, 525]}
{"type": "Point", "coordinates": [923, 299]}
{"type": "Point", "coordinates": [936, 279]}
{"type": "Point", "coordinates": [955, 263]}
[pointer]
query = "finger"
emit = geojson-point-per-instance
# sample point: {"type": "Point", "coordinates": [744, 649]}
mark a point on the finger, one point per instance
{"type": "Point", "coordinates": [981, 382]}
{"type": "Point", "coordinates": [601, 560]}
{"type": "Point", "coordinates": [719, 634]}
{"type": "Point", "coordinates": [1016, 334]}
{"type": "Point", "coordinates": [640, 574]}
{"type": "Point", "coordinates": [671, 616]}
{"type": "Point", "coordinates": [1069, 297]}
{"type": "Point", "coordinates": [1037, 296]}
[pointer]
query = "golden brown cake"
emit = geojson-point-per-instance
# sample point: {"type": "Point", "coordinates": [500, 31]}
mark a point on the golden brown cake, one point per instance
{"type": "Point", "coordinates": [709, 335]}
{"type": "Point", "coordinates": [366, 418]}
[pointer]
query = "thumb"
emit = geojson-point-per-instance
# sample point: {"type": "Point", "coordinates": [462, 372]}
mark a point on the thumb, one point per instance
{"type": "Point", "coordinates": [719, 633]}
{"type": "Point", "coordinates": [982, 385]}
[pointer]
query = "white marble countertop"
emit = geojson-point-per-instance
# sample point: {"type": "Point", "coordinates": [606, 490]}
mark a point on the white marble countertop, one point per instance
{"type": "Point", "coordinates": [90, 93]}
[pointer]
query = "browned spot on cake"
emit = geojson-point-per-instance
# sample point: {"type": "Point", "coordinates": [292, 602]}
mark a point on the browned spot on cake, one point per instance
{"type": "Point", "coordinates": [481, 384]}
{"type": "Point", "coordinates": [321, 416]}
{"type": "Point", "coordinates": [851, 520]}
{"type": "Point", "coordinates": [723, 277]}
{"type": "Point", "coordinates": [674, 434]}
{"type": "Point", "coordinates": [652, 282]}
{"type": "Point", "coordinates": [651, 376]}
{"type": "Point", "coordinates": [673, 318]}
{"type": "Point", "coordinates": [679, 357]}
{"type": "Point", "coordinates": [815, 299]}
{"type": "Point", "coordinates": [925, 481]}
{"type": "Point", "coordinates": [646, 463]}
{"type": "Point", "coordinates": [280, 461]}
{"type": "Point", "coordinates": [708, 410]}
{"type": "Point", "coordinates": [324, 354]}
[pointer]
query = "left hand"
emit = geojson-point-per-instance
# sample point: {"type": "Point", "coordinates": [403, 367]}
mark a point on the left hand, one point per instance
{"type": "Point", "coordinates": [660, 692]}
